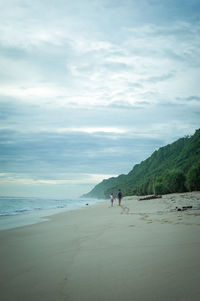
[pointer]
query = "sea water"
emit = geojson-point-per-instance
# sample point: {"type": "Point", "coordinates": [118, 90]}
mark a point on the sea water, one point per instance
{"type": "Point", "coordinates": [20, 211]}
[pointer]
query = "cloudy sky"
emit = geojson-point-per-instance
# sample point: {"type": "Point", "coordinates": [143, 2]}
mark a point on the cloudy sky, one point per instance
{"type": "Point", "coordinates": [89, 88]}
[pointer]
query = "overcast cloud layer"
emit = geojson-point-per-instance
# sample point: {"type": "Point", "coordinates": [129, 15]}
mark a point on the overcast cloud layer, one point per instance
{"type": "Point", "coordinates": [89, 88]}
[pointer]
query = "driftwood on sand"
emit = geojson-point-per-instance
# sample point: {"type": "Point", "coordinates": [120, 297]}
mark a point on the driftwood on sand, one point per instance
{"type": "Point", "coordinates": [151, 197]}
{"type": "Point", "coordinates": [184, 208]}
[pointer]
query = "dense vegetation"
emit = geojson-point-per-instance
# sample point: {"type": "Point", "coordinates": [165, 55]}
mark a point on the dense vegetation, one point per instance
{"type": "Point", "coordinates": [173, 168]}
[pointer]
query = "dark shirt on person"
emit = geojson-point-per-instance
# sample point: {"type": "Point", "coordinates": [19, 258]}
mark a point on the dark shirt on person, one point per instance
{"type": "Point", "coordinates": [119, 195]}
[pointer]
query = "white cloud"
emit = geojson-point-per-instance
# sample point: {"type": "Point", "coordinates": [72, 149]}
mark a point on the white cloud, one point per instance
{"type": "Point", "coordinates": [18, 179]}
{"type": "Point", "coordinates": [95, 82]}
{"type": "Point", "coordinates": [92, 130]}
{"type": "Point", "coordinates": [156, 60]}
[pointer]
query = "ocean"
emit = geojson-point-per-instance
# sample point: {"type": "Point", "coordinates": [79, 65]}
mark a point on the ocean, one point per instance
{"type": "Point", "coordinates": [21, 211]}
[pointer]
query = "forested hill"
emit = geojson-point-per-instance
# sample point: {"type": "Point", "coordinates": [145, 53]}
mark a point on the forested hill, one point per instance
{"type": "Point", "coordinates": [173, 168]}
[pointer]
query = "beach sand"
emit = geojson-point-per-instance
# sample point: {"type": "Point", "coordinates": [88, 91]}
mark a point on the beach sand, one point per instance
{"type": "Point", "coordinates": [145, 250]}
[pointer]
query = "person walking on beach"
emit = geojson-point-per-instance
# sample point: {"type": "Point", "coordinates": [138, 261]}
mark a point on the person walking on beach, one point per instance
{"type": "Point", "coordinates": [111, 199]}
{"type": "Point", "coordinates": [119, 196]}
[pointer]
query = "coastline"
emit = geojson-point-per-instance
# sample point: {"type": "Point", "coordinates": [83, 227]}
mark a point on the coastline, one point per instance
{"type": "Point", "coordinates": [29, 217]}
{"type": "Point", "coordinates": [145, 250]}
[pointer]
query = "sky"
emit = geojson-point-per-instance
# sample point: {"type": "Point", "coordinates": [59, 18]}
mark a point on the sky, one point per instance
{"type": "Point", "coordinates": [89, 88]}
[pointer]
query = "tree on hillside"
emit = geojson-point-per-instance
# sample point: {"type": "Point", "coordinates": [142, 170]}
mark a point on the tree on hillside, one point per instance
{"type": "Point", "coordinates": [163, 172]}
{"type": "Point", "coordinates": [193, 177]}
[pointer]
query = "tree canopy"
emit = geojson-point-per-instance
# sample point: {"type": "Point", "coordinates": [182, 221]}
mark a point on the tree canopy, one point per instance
{"type": "Point", "coordinates": [173, 168]}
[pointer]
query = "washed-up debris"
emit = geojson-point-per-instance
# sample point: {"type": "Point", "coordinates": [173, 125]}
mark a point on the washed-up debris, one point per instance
{"type": "Point", "coordinates": [183, 208]}
{"type": "Point", "coordinates": [151, 197]}
{"type": "Point", "coordinates": [187, 207]}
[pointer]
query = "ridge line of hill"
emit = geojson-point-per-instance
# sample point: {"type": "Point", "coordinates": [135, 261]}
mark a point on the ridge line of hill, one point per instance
{"type": "Point", "coordinates": [172, 168]}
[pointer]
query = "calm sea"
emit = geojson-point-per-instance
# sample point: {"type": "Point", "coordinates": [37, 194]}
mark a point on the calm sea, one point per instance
{"type": "Point", "coordinates": [20, 211]}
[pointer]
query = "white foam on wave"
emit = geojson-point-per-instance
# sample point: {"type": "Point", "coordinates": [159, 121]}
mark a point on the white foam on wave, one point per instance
{"type": "Point", "coordinates": [17, 212]}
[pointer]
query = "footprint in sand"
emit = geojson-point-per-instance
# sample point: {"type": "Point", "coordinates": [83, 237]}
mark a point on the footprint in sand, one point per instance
{"type": "Point", "coordinates": [125, 210]}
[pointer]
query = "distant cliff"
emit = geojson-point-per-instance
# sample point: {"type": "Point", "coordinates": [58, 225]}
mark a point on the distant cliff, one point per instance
{"type": "Point", "coordinates": [173, 168]}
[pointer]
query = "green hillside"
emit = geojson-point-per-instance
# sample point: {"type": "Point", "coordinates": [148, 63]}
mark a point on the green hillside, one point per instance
{"type": "Point", "coordinates": [173, 168]}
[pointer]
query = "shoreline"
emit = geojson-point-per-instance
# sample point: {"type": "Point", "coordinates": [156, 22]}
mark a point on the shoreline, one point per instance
{"type": "Point", "coordinates": [144, 250]}
{"type": "Point", "coordinates": [13, 221]}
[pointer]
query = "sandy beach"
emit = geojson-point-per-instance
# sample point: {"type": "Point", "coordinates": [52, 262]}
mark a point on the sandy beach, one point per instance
{"type": "Point", "coordinates": [144, 250]}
